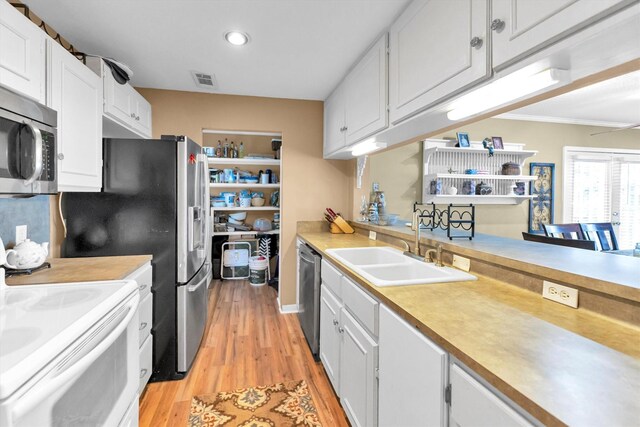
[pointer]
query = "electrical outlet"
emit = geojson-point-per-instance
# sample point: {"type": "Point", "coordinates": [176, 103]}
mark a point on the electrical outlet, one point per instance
{"type": "Point", "coordinates": [21, 234]}
{"type": "Point", "coordinates": [373, 235]}
{"type": "Point", "coordinates": [558, 293]}
{"type": "Point", "coordinates": [461, 263]}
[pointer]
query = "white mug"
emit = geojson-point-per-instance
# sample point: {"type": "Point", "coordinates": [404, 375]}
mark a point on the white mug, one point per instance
{"type": "Point", "coordinates": [230, 199]}
{"type": "Point", "coordinates": [264, 178]}
{"type": "Point", "coordinates": [452, 191]}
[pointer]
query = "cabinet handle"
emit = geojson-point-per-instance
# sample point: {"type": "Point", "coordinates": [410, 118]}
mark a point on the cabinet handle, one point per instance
{"type": "Point", "coordinates": [138, 118]}
{"type": "Point", "coordinates": [616, 223]}
{"type": "Point", "coordinates": [335, 322]}
{"type": "Point", "coordinates": [143, 325]}
{"type": "Point", "coordinates": [341, 330]}
{"type": "Point", "coordinates": [133, 115]}
{"type": "Point", "coordinates": [497, 25]}
{"type": "Point", "coordinates": [476, 42]}
{"type": "Point", "coordinates": [142, 288]}
{"type": "Point", "coordinates": [143, 372]}
{"type": "Point", "coordinates": [60, 156]}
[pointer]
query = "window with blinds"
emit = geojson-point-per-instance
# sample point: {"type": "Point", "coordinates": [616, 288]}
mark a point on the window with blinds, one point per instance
{"type": "Point", "coordinates": [603, 185]}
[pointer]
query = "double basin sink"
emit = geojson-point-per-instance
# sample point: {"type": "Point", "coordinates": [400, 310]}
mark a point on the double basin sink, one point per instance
{"type": "Point", "coordinates": [384, 266]}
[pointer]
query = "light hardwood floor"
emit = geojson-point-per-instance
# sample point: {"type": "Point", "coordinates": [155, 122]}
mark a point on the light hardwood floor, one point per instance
{"type": "Point", "coordinates": [247, 343]}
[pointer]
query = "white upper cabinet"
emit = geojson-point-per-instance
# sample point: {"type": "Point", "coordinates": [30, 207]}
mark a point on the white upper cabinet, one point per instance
{"type": "Point", "coordinates": [126, 113]}
{"type": "Point", "coordinates": [143, 114]}
{"type": "Point", "coordinates": [436, 48]}
{"type": "Point", "coordinates": [523, 26]}
{"type": "Point", "coordinates": [366, 94]}
{"type": "Point", "coordinates": [412, 376]}
{"type": "Point", "coordinates": [76, 93]}
{"type": "Point", "coordinates": [357, 108]}
{"type": "Point", "coordinates": [22, 54]}
{"type": "Point", "coordinates": [334, 122]}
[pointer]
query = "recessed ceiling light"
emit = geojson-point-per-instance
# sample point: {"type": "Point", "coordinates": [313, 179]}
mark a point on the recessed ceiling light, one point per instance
{"type": "Point", "coordinates": [236, 38]}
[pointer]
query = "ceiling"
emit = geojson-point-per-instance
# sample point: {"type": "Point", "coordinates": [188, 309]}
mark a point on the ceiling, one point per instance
{"type": "Point", "coordinates": [298, 48]}
{"type": "Point", "coordinates": [611, 103]}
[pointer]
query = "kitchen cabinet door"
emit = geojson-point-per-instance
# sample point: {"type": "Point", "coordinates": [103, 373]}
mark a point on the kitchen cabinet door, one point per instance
{"type": "Point", "coordinates": [436, 50]}
{"type": "Point", "coordinates": [366, 94]}
{"type": "Point", "coordinates": [119, 103]}
{"type": "Point", "coordinates": [76, 93]}
{"type": "Point", "coordinates": [22, 54]}
{"type": "Point", "coordinates": [334, 122]}
{"type": "Point", "coordinates": [358, 366]}
{"type": "Point", "coordinates": [520, 27]}
{"type": "Point", "coordinates": [412, 375]}
{"type": "Point", "coordinates": [473, 404]}
{"type": "Point", "coordinates": [330, 339]}
{"type": "Point", "coordinates": [142, 120]}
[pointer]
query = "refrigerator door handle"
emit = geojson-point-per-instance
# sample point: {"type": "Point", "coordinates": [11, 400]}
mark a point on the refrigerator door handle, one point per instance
{"type": "Point", "coordinates": [190, 225]}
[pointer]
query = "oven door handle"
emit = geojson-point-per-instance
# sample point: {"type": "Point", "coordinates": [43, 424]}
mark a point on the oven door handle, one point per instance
{"type": "Point", "coordinates": [37, 148]}
{"type": "Point", "coordinates": [75, 364]}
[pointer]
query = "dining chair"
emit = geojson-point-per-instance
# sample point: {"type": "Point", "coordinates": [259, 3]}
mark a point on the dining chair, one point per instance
{"type": "Point", "coordinates": [564, 231]}
{"type": "Point", "coordinates": [572, 243]}
{"type": "Point", "coordinates": [602, 233]}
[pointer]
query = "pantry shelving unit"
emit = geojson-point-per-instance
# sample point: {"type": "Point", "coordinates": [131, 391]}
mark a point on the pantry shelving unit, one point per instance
{"type": "Point", "coordinates": [445, 164]}
{"type": "Point", "coordinates": [233, 162]}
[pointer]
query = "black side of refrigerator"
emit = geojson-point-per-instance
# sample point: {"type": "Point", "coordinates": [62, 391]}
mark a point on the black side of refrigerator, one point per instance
{"type": "Point", "coordinates": [135, 214]}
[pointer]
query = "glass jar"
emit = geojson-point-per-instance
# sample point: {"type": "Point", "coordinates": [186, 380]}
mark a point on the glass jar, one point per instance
{"type": "Point", "coordinates": [636, 251]}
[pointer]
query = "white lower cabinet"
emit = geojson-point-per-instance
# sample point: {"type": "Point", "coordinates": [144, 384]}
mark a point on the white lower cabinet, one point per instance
{"type": "Point", "coordinates": [412, 375]}
{"type": "Point", "coordinates": [473, 404]}
{"type": "Point", "coordinates": [144, 277]}
{"type": "Point", "coordinates": [358, 367]}
{"type": "Point", "coordinates": [330, 341]}
{"type": "Point", "coordinates": [388, 373]}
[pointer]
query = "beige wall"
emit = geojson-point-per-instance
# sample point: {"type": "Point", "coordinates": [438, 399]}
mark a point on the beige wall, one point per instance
{"type": "Point", "coordinates": [309, 183]}
{"type": "Point", "coordinates": [399, 170]}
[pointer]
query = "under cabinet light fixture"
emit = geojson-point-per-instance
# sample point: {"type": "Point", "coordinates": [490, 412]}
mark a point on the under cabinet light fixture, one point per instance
{"type": "Point", "coordinates": [504, 90]}
{"type": "Point", "coordinates": [236, 38]}
{"type": "Point", "coordinates": [367, 146]}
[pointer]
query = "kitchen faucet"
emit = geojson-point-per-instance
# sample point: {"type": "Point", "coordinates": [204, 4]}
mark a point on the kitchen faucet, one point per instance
{"type": "Point", "coordinates": [428, 256]}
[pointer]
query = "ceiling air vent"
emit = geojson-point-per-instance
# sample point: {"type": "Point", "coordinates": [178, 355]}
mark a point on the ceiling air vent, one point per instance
{"type": "Point", "coordinates": [205, 81]}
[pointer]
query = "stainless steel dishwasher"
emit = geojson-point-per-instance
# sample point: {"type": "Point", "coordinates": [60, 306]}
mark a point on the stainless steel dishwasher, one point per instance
{"type": "Point", "coordinates": [309, 310]}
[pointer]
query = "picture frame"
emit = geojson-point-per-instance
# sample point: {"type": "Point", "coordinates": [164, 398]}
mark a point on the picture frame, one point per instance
{"type": "Point", "coordinates": [463, 139]}
{"type": "Point", "coordinates": [497, 142]}
{"type": "Point", "coordinates": [541, 206]}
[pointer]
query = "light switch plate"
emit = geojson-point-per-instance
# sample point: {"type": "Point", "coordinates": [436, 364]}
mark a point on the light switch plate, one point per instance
{"type": "Point", "coordinates": [21, 234]}
{"type": "Point", "coordinates": [373, 235]}
{"type": "Point", "coordinates": [461, 263]}
{"type": "Point", "coordinates": [558, 293]}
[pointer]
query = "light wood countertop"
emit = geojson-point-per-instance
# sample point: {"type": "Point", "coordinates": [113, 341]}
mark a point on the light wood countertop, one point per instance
{"type": "Point", "coordinates": [562, 365]}
{"type": "Point", "coordinates": [618, 276]}
{"type": "Point", "coordinates": [89, 269]}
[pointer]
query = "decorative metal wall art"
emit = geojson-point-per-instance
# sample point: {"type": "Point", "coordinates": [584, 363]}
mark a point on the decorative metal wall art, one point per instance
{"type": "Point", "coordinates": [541, 206]}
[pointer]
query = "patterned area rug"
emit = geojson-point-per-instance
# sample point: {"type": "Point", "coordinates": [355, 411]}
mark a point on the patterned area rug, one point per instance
{"type": "Point", "coordinates": [278, 405]}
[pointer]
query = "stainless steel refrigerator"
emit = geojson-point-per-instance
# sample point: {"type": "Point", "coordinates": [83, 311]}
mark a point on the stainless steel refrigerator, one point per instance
{"type": "Point", "coordinates": [155, 200]}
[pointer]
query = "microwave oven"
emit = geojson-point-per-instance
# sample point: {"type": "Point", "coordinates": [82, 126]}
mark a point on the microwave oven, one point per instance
{"type": "Point", "coordinates": [27, 146]}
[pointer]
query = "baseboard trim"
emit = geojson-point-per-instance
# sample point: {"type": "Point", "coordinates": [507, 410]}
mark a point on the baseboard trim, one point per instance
{"type": "Point", "coordinates": [287, 309]}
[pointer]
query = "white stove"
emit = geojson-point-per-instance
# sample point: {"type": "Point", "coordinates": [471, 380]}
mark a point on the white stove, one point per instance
{"type": "Point", "coordinates": [68, 353]}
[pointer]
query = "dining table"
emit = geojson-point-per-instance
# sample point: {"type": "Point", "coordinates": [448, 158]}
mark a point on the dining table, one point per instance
{"type": "Point", "coordinates": [625, 252]}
